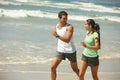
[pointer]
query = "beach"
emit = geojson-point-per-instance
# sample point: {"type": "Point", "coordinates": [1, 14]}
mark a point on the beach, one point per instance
{"type": "Point", "coordinates": [108, 70]}
{"type": "Point", "coordinates": [27, 45]}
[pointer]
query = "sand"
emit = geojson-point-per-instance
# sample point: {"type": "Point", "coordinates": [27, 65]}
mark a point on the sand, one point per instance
{"type": "Point", "coordinates": [108, 70]}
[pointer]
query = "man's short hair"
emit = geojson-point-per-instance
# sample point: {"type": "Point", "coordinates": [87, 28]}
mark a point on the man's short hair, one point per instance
{"type": "Point", "coordinates": [62, 13]}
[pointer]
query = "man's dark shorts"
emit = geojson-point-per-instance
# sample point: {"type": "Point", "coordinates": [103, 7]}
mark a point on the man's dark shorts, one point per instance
{"type": "Point", "coordinates": [91, 61]}
{"type": "Point", "coordinates": [70, 56]}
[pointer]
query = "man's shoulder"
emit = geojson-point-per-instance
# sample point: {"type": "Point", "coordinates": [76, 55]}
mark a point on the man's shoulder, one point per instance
{"type": "Point", "coordinates": [69, 26]}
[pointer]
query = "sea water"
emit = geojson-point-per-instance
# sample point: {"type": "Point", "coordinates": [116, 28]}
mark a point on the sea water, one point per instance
{"type": "Point", "coordinates": [25, 28]}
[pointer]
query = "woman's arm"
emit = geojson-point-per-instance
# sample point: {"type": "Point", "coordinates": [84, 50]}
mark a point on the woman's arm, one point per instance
{"type": "Point", "coordinates": [95, 47]}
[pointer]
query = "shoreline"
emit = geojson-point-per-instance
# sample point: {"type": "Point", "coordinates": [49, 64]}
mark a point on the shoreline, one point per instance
{"type": "Point", "coordinates": [108, 70]}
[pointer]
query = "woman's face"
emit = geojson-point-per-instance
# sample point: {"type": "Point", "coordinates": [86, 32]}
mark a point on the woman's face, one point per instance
{"type": "Point", "coordinates": [87, 27]}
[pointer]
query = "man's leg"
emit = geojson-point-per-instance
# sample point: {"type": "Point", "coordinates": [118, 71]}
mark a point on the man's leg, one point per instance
{"type": "Point", "coordinates": [75, 67]}
{"type": "Point", "coordinates": [55, 63]}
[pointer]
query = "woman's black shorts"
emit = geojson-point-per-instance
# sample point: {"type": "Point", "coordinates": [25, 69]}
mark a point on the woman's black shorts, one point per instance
{"type": "Point", "coordinates": [91, 61]}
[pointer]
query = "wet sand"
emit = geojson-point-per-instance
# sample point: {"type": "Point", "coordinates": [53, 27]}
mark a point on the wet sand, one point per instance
{"type": "Point", "coordinates": [108, 70]}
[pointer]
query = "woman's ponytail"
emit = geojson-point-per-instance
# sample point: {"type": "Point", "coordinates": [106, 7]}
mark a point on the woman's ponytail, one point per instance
{"type": "Point", "coordinates": [97, 29]}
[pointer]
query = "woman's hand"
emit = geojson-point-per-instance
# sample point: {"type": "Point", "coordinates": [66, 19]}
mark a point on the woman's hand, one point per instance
{"type": "Point", "coordinates": [83, 44]}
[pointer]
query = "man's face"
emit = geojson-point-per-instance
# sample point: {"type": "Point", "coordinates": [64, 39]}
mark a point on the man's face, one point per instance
{"type": "Point", "coordinates": [63, 19]}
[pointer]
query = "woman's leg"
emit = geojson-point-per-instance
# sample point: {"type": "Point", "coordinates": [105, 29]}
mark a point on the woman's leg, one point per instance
{"type": "Point", "coordinates": [83, 67]}
{"type": "Point", "coordinates": [94, 71]}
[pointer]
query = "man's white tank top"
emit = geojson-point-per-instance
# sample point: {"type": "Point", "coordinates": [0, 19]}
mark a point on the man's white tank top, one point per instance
{"type": "Point", "coordinates": [64, 47]}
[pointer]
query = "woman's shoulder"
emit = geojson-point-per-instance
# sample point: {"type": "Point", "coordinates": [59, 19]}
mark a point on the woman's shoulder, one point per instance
{"type": "Point", "coordinates": [95, 34]}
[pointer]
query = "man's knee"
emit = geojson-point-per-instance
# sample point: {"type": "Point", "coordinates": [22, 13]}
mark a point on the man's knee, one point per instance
{"type": "Point", "coordinates": [81, 75]}
{"type": "Point", "coordinates": [95, 77]}
{"type": "Point", "coordinates": [53, 68]}
{"type": "Point", "coordinates": [75, 69]}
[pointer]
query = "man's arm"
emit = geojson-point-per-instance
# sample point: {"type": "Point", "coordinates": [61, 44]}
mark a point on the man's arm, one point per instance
{"type": "Point", "coordinates": [69, 33]}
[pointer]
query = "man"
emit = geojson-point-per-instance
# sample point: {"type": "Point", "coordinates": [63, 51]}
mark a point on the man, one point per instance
{"type": "Point", "coordinates": [65, 49]}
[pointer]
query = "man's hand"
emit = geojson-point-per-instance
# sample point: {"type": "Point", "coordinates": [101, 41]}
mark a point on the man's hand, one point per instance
{"type": "Point", "coordinates": [54, 33]}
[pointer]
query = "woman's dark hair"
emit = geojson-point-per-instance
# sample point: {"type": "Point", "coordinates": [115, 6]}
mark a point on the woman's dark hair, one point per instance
{"type": "Point", "coordinates": [95, 27]}
{"type": "Point", "coordinates": [62, 13]}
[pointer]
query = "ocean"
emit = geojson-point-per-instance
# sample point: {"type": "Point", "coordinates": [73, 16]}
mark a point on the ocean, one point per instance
{"type": "Point", "coordinates": [25, 28]}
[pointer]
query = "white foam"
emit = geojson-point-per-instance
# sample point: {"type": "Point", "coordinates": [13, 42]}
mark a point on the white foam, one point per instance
{"type": "Point", "coordinates": [3, 2]}
{"type": "Point", "coordinates": [73, 5]}
{"type": "Point", "coordinates": [24, 60]}
{"type": "Point", "coordinates": [78, 18]}
{"type": "Point", "coordinates": [22, 0]}
{"type": "Point", "coordinates": [83, 18]}
{"type": "Point", "coordinates": [110, 18]}
{"type": "Point", "coordinates": [112, 56]}
{"type": "Point", "coordinates": [97, 8]}
{"type": "Point", "coordinates": [32, 13]}
{"type": "Point", "coordinates": [82, 6]}
{"type": "Point", "coordinates": [23, 52]}
{"type": "Point", "coordinates": [26, 13]}
{"type": "Point", "coordinates": [27, 52]}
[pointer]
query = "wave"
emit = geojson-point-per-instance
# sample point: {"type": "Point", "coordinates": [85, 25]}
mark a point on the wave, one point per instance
{"type": "Point", "coordinates": [23, 0]}
{"type": "Point", "coordinates": [40, 59]}
{"type": "Point", "coordinates": [25, 60]}
{"type": "Point", "coordinates": [27, 52]}
{"type": "Point", "coordinates": [23, 52]}
{"type": "Point", "coordinates": [3, 2]}
{"type": "Point", "coordinates": [71, 5]}
{"type": "Point", "coordinates": [89, 7]}
{"type": "Point", "coordinates": [42, 14]}
{"type": "Point", "coordinates": [26, 13]}
{"type": "Point", "coordinates": [97, 8]}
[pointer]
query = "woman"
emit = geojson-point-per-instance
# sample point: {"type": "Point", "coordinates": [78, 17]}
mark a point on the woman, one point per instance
{"type": "Point", "coordinates": [90, 54]}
